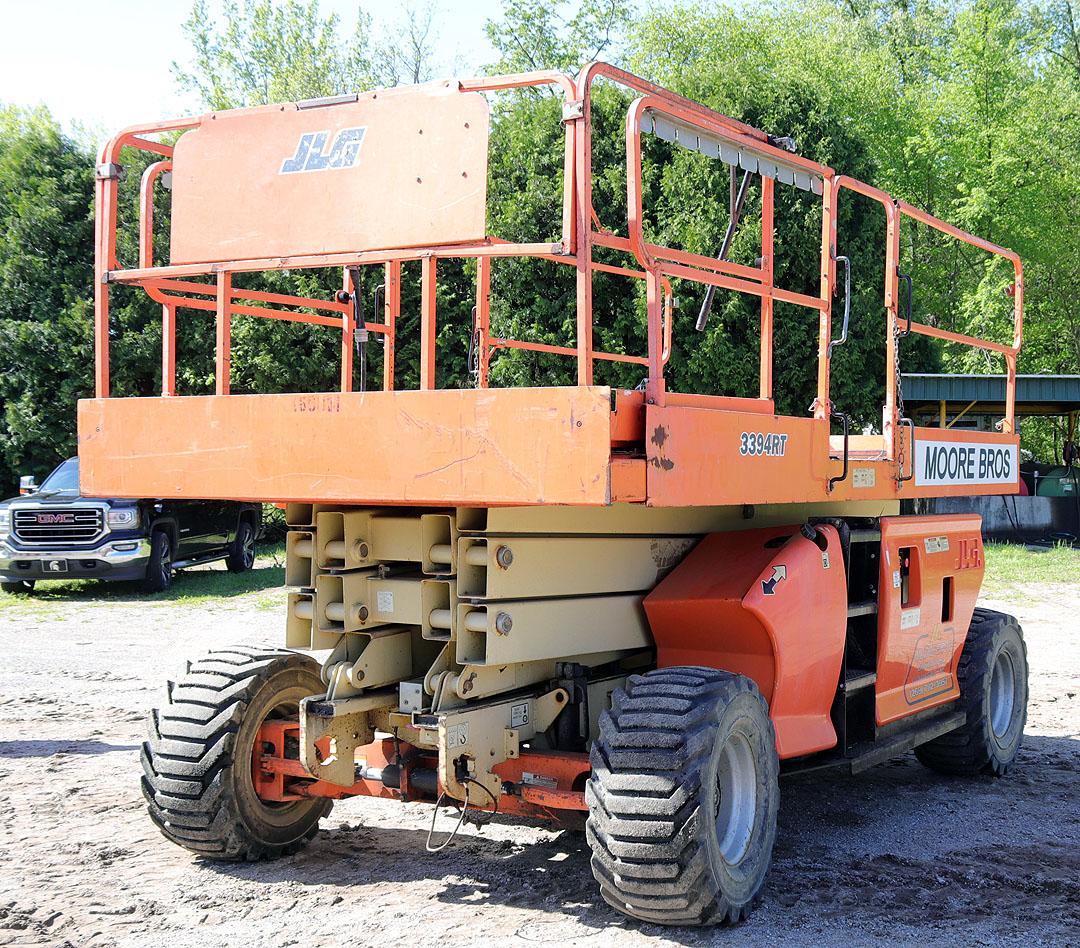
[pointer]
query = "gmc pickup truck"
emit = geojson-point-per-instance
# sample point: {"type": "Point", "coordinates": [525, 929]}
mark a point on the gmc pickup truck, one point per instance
{"type": "Point", "coordinates": [51, 532]}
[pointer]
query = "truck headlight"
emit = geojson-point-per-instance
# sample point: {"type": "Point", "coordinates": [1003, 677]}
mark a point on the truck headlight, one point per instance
{"type": "Point", "coordinates": [125, 517]}
{"type": "Point", "coordinates": [5, 522]}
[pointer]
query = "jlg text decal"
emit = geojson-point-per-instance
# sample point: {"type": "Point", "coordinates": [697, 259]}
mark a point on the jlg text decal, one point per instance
{"type": "Point", "coordinates": [311, 155]}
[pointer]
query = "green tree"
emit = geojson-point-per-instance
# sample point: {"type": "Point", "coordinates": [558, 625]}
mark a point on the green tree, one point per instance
{"type": "Point", "coordinates": [532, 36]}
{"type": "Point", "coordinates": [273, 52]}
{"type": "Point", "coordinates": [46, 231]}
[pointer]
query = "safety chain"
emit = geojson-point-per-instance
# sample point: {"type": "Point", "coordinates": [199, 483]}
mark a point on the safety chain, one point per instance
{"type": "Point", "coordinates": [897, 336]}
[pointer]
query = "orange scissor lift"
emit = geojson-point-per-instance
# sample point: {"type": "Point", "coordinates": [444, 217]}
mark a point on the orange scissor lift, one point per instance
{"type": "Point", "coordinates": [553, 601]}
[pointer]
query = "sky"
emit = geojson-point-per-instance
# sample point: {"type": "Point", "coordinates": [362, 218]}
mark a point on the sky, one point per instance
{"type": "Point", "coordinates": [99, 65]}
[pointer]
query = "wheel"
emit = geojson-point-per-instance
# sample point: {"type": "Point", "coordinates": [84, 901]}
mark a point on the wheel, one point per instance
{"type": "Point", "coordinates": [993, 676]}
{"type": "Point", "coordinates": [242, 550]}
{"type": "Point", "coordinates": [18, 587]}
{"type": "Point", "coordinates": [683, 797]}
{"type": "Point", "coordinates": [197, 777]}
{"type": "Point", "coordinates": [159, 570]}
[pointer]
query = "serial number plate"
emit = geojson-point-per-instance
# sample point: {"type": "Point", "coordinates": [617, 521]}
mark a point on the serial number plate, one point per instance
{"type": "Point", "coordinates": [763, 444]}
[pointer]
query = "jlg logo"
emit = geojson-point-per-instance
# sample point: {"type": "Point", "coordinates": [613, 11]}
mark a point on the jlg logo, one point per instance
{"type": "Point", "coordinates": [311, 154]}
{"type": "Point", "coordinates": [968, 554]}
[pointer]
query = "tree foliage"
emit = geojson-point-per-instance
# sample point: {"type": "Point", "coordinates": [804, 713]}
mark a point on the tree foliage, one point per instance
{"type": "Point", "coordinates": [267, 52]}
{"type": "Point", "coordinates": [46, 265]}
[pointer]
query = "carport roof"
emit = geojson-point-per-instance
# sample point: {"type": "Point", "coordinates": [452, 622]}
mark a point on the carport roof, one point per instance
{"type": "Point", "coordinates": [1035, 394]}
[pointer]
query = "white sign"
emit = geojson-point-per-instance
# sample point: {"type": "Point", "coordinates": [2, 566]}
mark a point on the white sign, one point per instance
{"type": "Point", "coordinates": [519, 714]}
{"type": "Point", "coordinates": [864, 477]}
{"type": "Point", "coordinates": [937, 544]}
{"type": "Point", "coordinates": [964, 462]}
{"type": "Point", "coordinates": [457, 735]}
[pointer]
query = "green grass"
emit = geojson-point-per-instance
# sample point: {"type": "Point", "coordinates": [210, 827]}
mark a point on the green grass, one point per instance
{"type": "Point", "coordinates": [198, 585]}
{"type": "Point", "coordinates": [1009, 565]}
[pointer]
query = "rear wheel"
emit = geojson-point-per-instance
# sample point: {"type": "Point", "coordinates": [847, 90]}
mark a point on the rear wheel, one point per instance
{"type": "Point", "coordinates": [242, 550]}
{"type": "Point", "coordinates": [197, 772]}
{"type": "Point", "coordinates": [18, 587]}
{"type": "Point", "coordinates": [993, 677]}
{"type": "Point", "coordinates": [683, 797]}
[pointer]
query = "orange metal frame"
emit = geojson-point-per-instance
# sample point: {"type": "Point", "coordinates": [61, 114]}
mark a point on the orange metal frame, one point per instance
{"type": "Point", "coordinates": [174, 286]}
{"type": "Point", "coordinates": [278, 778]}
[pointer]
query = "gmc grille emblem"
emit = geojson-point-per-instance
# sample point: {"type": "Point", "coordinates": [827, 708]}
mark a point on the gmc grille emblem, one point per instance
{"type": "Point", "coordinates": [56, 518]}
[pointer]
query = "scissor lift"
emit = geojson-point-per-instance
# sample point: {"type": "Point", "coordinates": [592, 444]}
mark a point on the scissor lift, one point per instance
{"type": "Point", "coordinates": [554, 601]}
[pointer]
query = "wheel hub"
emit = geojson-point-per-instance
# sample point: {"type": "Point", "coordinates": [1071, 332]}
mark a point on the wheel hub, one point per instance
{"type": "Point", "coordinates": [1002, 693]}
{"type": "Point", "coordinates": [736, 797]}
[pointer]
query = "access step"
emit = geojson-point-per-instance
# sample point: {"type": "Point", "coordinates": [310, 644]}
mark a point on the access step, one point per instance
{"type": "Point", "coordinates": [871, 753]}
{"type": "Point", "coordinates": [857, 679]}
{"type": "Point", "coordinates": [867, 535]}
{"type": "Point", "coordinates": [867, 608]}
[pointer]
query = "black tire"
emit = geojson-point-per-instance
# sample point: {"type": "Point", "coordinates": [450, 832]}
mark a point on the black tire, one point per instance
{"type": "Point", "coordinates": [656, 802]}
{"type": "Point", "coordinates": [993, 676]}
{"type": "Point", "coordinates": [242, 549]}
{"type": "Point", "coordinates": [18, 587]}
{"type": "Point", "coordinates": [197, 777]}
{"type": "Point", "coordinates": [159, 570]}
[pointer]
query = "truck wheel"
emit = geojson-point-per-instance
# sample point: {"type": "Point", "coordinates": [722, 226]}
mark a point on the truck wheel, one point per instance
{"type": "Point", "coordinates": [683, 797]}
{"type": "Point", "coordinates": [197, 775]}
{"type": "Point", "coordinates": [993, 675]}
{"type": "Point", "coordinates": [18, 587]}
{"type": "Point", "coordinates": [159, 570]}
{"type": "Point", "coordinates": [242, 550]}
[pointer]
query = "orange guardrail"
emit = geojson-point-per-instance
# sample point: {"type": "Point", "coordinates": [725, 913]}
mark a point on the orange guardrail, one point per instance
{"type": "Point", "coordinates": [655, 110]}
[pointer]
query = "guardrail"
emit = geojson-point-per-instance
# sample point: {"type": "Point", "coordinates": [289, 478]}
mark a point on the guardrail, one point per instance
{"type": "Point", "coordinates": [656, 111]}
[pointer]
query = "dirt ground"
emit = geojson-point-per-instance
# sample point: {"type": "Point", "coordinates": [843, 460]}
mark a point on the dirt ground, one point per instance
{"type": "Point", "coordinates": [896, 854]}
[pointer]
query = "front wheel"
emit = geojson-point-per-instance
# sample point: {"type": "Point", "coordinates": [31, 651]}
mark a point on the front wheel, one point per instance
{"type": "Point", "coordinates": [197, 762]}
{"type": "Point", "coordinates": [683, 797]}
{"type": "Point", "coordinates": [159, 570]}
{"type": "Point", "coordinates": [242, 549]}
{"type": "Point", "coordinates": [993, 676]}
{"type": "Point", "coordinates": [18, 587]}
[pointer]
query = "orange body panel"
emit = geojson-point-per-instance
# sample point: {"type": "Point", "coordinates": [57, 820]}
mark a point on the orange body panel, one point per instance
{"type": "Point", "coordinates": [694, 457]}
{"type": "Point", "coordinates": [704, 456]}
{"type": "Point", "coordinates": [492, 447]}
{"type": "Point", "coordinates": [393, 169]}
{"type": "Point", "coordinates": [923, 621]}
{"type": "Point", "coordinates": [505, 446]}
{"type": "Point", "coordinates": [768, 604]}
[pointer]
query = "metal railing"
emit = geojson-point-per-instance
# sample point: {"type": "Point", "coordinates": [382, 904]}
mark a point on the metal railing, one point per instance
{"type": "Point", "coordinates": [655, 111]}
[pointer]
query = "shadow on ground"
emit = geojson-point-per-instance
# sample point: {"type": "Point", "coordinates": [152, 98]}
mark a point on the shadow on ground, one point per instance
{"type": "Point", "coordinates": [891, 850]}
{"type": "Point", "coordinates": [17, 749]}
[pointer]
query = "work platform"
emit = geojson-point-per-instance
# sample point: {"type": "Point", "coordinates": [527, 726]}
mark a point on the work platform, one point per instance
{"type": "Point", "coordinates": [266, 188]}
{"type": "Point", "coordinates": [517, 447]}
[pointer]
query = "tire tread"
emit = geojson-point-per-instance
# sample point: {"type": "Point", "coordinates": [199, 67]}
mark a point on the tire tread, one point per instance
{"type": "Point", "coordinates": [187, 755]}
{"type": "Point", "coordinates": [645, 806]}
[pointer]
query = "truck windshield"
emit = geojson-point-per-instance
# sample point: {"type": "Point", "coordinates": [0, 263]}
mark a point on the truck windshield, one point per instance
{"type": "Point", "coordinates": [64, 479]}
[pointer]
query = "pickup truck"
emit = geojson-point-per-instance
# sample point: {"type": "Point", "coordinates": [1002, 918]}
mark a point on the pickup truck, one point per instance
{"type": "Point", "coordinates": [52, 532]}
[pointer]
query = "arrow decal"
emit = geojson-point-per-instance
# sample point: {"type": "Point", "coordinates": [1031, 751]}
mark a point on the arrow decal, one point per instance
{"type": "Point", "coordinates": [779, 574]}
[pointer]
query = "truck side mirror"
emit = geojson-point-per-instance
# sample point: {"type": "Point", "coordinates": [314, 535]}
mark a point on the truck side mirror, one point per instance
{"type": "Point", "coordinates": [27, 484]}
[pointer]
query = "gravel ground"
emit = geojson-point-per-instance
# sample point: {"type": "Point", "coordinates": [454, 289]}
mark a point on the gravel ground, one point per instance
{"type": "Point", "coordinates": [896, 854]}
